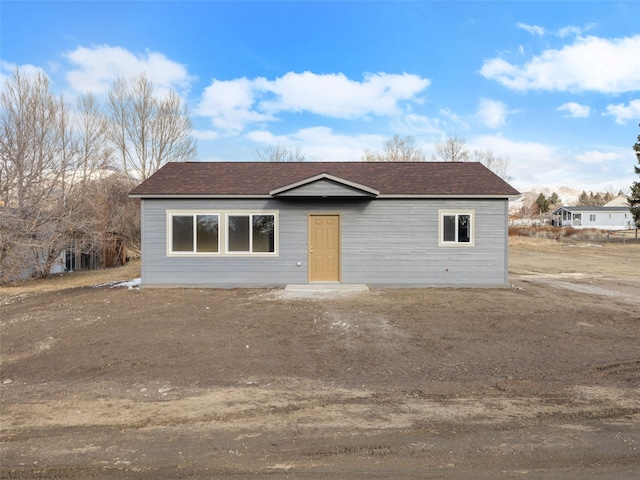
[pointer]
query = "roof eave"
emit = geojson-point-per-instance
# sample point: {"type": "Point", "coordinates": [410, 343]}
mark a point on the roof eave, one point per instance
{"type": "Point", "coordinates": [451, 196]}
{"type": "Point", "coordinates": [149, 196]}
{"type": "Point", "coordinates": [380, 196]}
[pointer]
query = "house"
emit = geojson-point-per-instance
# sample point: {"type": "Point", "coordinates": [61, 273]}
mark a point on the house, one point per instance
{"type": "Point", "coordinates": [602, 218]}
{"type": "Point", "coordinates": [231, 224]}
{"type": "Point", "coordinates": [618, 201]}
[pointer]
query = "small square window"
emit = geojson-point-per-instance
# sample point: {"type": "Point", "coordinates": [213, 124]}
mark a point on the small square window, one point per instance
{"type": "Point", "coordinates": [456, 228]}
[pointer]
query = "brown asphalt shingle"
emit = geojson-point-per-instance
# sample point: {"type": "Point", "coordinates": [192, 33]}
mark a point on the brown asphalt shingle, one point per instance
{"type": "Point", "coordinates": [259, 178]}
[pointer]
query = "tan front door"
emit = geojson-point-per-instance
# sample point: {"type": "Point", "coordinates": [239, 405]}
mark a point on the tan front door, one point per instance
{"type": "Point", "coordinates": [324, 248]}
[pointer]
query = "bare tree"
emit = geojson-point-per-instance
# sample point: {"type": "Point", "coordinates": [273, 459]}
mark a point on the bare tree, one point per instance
{"type": "Point", "coordinates": [28, 130]}
{"type": "Point", "coordinates": [279, 153]}
{"type": "Point", "coordinates": [529, 207]}
{"type": "Point", "coordinates": [57, 181]}
{"type": "Point", "coordinates": [498, 165]}
{"type": "Point", "coordinates": [453, 149]}
{"type": "Point", "coordinates": [396, 149]}
{"type": "Point", "coordinates": [48, 154]}
{"type": "Point", "coordinates": [95, 151]}
{"type": "Point", "coordinates": [147, 131]}
{"type": "Point", "coordinates": [37, 145]}
{"type": "Point", "coordinates": [116, 211]}
{"type": "Point", "coordinates": [634, 198]}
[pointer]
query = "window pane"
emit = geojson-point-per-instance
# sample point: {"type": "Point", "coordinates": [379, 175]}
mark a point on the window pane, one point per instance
{"type": "Point", "coordinates": [464, 228]}
{"type": "Point", "coordinates": [238, 233]}
{"type": "Point", "coordinates": [449, 228]}
{"type": "Point", "coordinates": [263, 233]}
{"type": "Point", "coordinates": [182, 237]}
{"type": "Point", "coordinates": [207, 233]}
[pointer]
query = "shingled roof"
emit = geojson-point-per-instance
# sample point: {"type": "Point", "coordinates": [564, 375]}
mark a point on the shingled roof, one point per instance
{"type": "Point", "coordinates": [258, 179]}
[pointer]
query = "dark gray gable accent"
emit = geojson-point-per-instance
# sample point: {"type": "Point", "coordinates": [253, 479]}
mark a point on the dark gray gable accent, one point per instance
{"type": "Point", "coordinates": [325, 185]}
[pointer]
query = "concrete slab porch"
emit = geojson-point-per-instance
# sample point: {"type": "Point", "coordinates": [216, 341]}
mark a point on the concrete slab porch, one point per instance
{"type": "Point", "coordinates": [327, 288]}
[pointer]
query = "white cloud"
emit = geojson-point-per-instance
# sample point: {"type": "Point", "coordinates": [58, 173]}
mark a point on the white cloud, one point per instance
{"type": "Point", "coordinates": [234, 104]}
{"type": "Point", "coordinates": [624, 113]}
{"type": "Point", "coordinates": [575, 110]}
{"type": "Point", "coordinates": [322, 143]}
{"type": "Point", "coordinates": [492, 113]}
{"type": "Point", "coordinates": [229, 103]}
{"type": "Point", "coordinates": [30, 71]}
{"type": "Point", "coordinates": [414, 124]}
{"type": "Point", "coordinates": [530, 162]}
{"type": "Point", "coordinates": [573, 30]}
{"type": "Point", "coordinates": [591, 63]}
{"type": "Point", "coordinates": [337, 96]}
{"type": "Point", "coordinates": [563, 32]}
{"type": "Point", "coordinates": [97, 67]}
{"type": "Point", "coordinates": [532, 29]}
{"type": "Point", "coordinates": [454, 118]}
{"type": "Point", "coordinates": [534, 163]}
{"type": "Point", "coordinates": [266, 137]}
{"type": "Point", "coordinates": [596, 157]}
{"type": "Point", "coordinates": [205, 134]}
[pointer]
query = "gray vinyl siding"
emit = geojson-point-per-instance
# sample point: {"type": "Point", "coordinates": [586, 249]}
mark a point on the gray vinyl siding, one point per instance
{"type": "Point", "coordinates": [390, 242]}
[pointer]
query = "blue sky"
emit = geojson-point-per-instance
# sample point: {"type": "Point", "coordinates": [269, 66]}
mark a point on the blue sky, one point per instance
{"type": "Point", "coordinates": [553, 86]}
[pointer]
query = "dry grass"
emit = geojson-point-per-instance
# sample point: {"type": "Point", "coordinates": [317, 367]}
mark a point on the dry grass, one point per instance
{"type": "Point", "coordinates": [531, 242]}
{"type": "Point", "coordinates": [530, 234]}
{"type": "Point", "coordinates": [71, 280]}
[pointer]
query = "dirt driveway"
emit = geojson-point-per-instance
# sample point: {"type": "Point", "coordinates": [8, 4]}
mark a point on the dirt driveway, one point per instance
{"type": "Point", "coordinates": [541, 380]}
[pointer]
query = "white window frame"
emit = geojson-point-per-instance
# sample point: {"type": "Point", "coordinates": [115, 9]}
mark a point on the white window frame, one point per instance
{"type": "Point", "coordinates": [456, 243]}
{"type": "Point", "coordinates": [194, 215]}
{"type": "Point", "coordinates": [251, 214]}
{"type": "Point", "coordinates": [223, 243]}
{"type": "Point", "coordinates": [592, 217]}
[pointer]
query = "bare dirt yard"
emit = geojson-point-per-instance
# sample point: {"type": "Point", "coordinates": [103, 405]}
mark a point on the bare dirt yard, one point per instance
{"type": "Point", "coordinates": [540, 380]}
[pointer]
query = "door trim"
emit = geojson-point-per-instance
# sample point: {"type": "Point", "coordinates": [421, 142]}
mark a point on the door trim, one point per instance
{"type": "Point", "coordinates": [324, 214]}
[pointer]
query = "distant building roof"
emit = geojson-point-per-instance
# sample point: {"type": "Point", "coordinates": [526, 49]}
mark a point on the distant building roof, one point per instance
{"type": "Point", "coordinates": [592, 209]}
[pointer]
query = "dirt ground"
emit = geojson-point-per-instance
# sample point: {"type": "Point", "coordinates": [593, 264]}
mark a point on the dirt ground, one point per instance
{"type": "Point", "coordinates": [540, 380]}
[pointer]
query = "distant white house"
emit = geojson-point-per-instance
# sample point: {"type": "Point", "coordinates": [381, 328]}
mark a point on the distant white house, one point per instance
{"type": "Point", "coordinates": [603, 218]}
{"type": "Point", "coordinates": [619, 201]}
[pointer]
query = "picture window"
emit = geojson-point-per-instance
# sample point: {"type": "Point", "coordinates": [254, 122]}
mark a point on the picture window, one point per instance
{"type": "Point", "coordinates": [253, 233]}
{"type": "Point", "coordinates": [221, 233]}
{"type": "Point", "coordinates": [195, 233]}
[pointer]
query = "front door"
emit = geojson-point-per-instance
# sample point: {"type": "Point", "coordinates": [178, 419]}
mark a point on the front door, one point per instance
{"type": "Point", "coordinates": [324, 248]}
